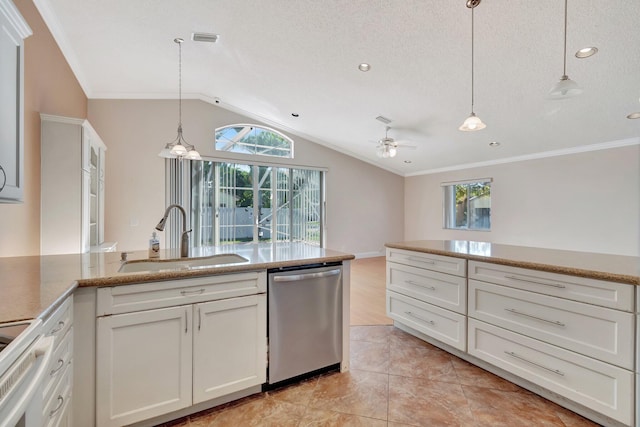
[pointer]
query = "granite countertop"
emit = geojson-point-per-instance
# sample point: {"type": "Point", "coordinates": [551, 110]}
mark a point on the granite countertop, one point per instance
{"type": "Point", "coordinates": [31, 286]}
{"type": "Point", "coordinates": [614, 268]}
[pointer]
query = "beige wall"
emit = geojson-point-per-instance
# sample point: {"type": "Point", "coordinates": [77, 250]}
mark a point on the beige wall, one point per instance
{"type": "Point", "coordinates": [364, 203]}
{"type": "Point", "coordinates": [49, 87]}
{"type": "Point", "coordinates": [584, 202]}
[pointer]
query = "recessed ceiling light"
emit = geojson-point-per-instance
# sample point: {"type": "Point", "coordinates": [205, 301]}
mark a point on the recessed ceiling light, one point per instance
{"type": "Point", "coordinates": [635, 115]}
{"type": "Point", "coordinates": [364, 67]}
{"type": "Point", "coordinates": [586, 52]}
{"type": "Point", "coordinates": [205, 37]}
{"type": "Point", "coordinates": [494, 144]}
{"type": "Point", "coordinates": [295, 114]}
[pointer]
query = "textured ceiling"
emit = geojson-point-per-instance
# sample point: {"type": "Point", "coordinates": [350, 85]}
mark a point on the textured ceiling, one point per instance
{"type": "Point", "coordinates": [277, 57]}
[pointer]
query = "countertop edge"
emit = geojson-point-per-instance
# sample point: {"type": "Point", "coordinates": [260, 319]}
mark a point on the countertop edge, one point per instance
{"type": "Point", "coordinates": [572, 271]}
{"type": "Point", "coordinates": [123, 279]}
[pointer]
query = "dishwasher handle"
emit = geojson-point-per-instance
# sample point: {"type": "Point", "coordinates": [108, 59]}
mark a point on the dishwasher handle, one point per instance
{"type": "Point", "coordinates": [305, 276]}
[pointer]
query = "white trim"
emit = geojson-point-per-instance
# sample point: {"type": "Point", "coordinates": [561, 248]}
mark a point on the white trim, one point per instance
{"type": "Point", "coordinates": [465, 181]}
{"type": "Point", "coordinates": [14, 17]}
{"type": "Point", "coordinates": [370, 254]}
{"type": "Point", "coordinates": [553, 153]}
{"type": "Point", "coordinates": [62, 119]}
{"type": "Point", "coordinates": [52, 22]}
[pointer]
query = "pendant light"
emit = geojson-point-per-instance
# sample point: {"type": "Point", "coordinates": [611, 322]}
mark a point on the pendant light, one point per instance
{"type": "Point", "coordinates": [565, 88]}
{"type": "Point", "coordinates": [179, 148]}
{"type": "Point", "coordinates": [472, 122]}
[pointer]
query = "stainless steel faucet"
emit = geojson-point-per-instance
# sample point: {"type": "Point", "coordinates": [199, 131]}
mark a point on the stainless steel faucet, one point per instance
{"type": "Point", "coordinates": [184, 242]}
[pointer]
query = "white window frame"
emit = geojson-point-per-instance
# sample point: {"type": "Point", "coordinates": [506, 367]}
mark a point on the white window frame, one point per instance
{"type": "Point", "coordinates": [449, 204]}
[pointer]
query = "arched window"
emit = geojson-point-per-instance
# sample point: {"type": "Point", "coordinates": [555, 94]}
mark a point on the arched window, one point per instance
{"type": "Point", "coordinates": [253, 139]}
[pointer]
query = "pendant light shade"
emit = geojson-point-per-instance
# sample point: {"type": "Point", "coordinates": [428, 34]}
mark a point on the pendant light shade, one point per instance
{"type": "Point", "coordinates": [473, 122]}
{"type": "Point", "coordinates": [565, 87]}
{"type": "Point", "coordinates": [179, 148]}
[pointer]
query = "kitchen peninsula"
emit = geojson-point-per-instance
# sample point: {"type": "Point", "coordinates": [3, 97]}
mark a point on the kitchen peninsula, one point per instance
{"type": "Point", "coordinates": [97, 308]}
{"type": "Point", "coordinates": [562, 324]}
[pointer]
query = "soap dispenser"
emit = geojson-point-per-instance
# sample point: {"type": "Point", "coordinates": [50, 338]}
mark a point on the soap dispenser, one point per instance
{"type": "Point", "coordinates": [154, 246]}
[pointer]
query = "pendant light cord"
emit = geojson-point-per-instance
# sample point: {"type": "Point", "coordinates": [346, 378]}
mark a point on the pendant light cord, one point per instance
{"type": "Point", "coordinates": [472, 52]}
{"type": "Point", "coordinates": [179, 41]}
{"type": "Point", "coordinates": [564, 67]}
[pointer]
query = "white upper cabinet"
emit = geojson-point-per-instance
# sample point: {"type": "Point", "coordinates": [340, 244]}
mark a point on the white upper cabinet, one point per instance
{"type": "Point", "coordinates": [72, 200]}
{"type": "Point", "coordinates": [13, 31]}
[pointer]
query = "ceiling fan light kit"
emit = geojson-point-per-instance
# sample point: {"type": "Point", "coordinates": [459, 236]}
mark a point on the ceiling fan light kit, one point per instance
{"type": "Point", "coordinates": [565, 87]}
{"type": "Point", "coordinates": [473, 122]}
{"type": "Point", "coordinates": [179, 148]}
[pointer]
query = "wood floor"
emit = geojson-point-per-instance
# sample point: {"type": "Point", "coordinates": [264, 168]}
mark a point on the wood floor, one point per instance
{"type": "Point", "coordinates": [368, 282]}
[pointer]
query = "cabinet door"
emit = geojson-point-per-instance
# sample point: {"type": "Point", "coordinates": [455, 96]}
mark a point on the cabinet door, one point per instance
{"type": "Point", "coordinates": [14, 30]}
{"type": "Point", "coordinates": [143, 362]}
{"type": "Point", "coordinates": [229, 346]}
{"type": "Point", "coordinates": [85, 233]}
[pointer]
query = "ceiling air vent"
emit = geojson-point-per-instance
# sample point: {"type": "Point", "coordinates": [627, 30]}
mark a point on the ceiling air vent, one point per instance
{"type": "Point", "coordinates": [383, 119]}
{"type": "Point", "coordinates": [204, 37]}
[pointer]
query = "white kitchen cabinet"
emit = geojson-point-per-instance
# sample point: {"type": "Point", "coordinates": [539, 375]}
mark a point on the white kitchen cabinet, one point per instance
{"type": "Point", "coordinates": [14, 30]}
{"type": "Point", "coordinates": [206, 339]}
{"type": "Point", "coordinates": [229, 346]}
{"type": "Point", "coordinates": [602, 333]}
{"type": "Point", "coordinates": [72, 206]}
{"type": "Point", "coordinates": [57, 387]}
{"type": "Point", "coordinates": [428, 293]}
{"type": "Point", "coordinates": [143, 364]}
{"type": "Point", "coordinates": [594, 384]}
{"type": "Point", "coordinates": [573, 340]}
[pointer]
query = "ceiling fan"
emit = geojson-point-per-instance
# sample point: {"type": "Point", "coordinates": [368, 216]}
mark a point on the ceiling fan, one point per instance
{"type": "Point", "coordinates": [388, 147]}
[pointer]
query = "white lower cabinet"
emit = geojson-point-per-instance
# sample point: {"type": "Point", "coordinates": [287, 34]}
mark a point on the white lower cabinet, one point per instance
{"type": "Point", "coordinates": [229, 346]}
{"type": "Point", "coordinates": [143, 364]}
{"type": "Point", "coordinates": [441, 324]}
{"type": "Point", "coordinates": [597, 385]}
{"type": "Point", "coordinates": [573, 340]}
{"type": "Point", "coordinates": [156, 361]}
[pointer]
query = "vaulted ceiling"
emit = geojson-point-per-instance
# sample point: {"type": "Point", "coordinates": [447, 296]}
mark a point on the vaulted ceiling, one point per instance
{"type": "Point", "coordinates": [275, 58]}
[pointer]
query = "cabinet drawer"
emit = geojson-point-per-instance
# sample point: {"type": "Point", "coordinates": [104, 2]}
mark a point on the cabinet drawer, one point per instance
{"type": "Point", "coordinates": [591, 291]}
{"type": "Point", "coordinates": [604, 388]}
{"type": "Point", "coordinates": [598, 332]}
{"type": "Point", "coordinates": [444, 290]}
{"type": "Point", "coordinates": [443, 325]}
{"type": "Point", "coordinates": [62, 358]}
{"type": "Point", "coordinates": [442, 264]}
{"type": "Point", "coordinates": [145, 296]}
{"type": "Point", "coordinates": [59, 322]}
{"type": "Point", "coordinates": [55, 407]}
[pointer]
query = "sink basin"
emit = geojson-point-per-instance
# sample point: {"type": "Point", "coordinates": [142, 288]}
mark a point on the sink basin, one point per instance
{"type": "Point", "coordinates": [180, 263]}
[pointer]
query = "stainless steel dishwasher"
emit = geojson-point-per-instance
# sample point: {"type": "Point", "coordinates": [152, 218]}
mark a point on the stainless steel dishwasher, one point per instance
{"type": "Point", "coordinates": [305, 320]}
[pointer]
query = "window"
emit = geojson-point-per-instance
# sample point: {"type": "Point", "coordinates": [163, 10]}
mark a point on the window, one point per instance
{"type": "Point", "coordinates": [253, 139]}
{"type": "Point", "coordinates": [233, 203]}
{"type": "Point", "coordinates": [467, 204]}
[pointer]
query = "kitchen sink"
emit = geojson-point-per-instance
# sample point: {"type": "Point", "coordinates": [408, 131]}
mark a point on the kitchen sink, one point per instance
{"type": "Point", "coordinates": [181, 263]}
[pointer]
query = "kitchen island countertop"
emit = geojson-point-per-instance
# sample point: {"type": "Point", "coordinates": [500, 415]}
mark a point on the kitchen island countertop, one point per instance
{"type": "Point", "coordinates": [609, 267]}
{"type": "Point", "coordinates": [31, 286]}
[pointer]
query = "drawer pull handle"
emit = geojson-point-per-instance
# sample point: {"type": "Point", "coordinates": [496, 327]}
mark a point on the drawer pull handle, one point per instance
{"type": "Point", "coordinates": [58, 329]}
{"type": "Point", "coordinates": [60, 366]}
{"type": "Point", "coordinates": [553, 285]}
{"type": "Point", "coordinates": [411, 282]}
{"type": "Point", "coordinates": [422, 260]}
{"type": "Point", "coordinates": [555, 371]}
{"type": "Point", "coordinates": [195, 292]}
{"type": "Point", "coordinates": [57, 408]}
{"type": "Point", "coordinates": [553, 322]}
{"type": "Point", "coordinates": [410, 314]}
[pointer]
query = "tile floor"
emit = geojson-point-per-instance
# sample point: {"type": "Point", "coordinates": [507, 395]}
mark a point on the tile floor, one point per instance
{"type": "Point", "coordinates": [395, 380]}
